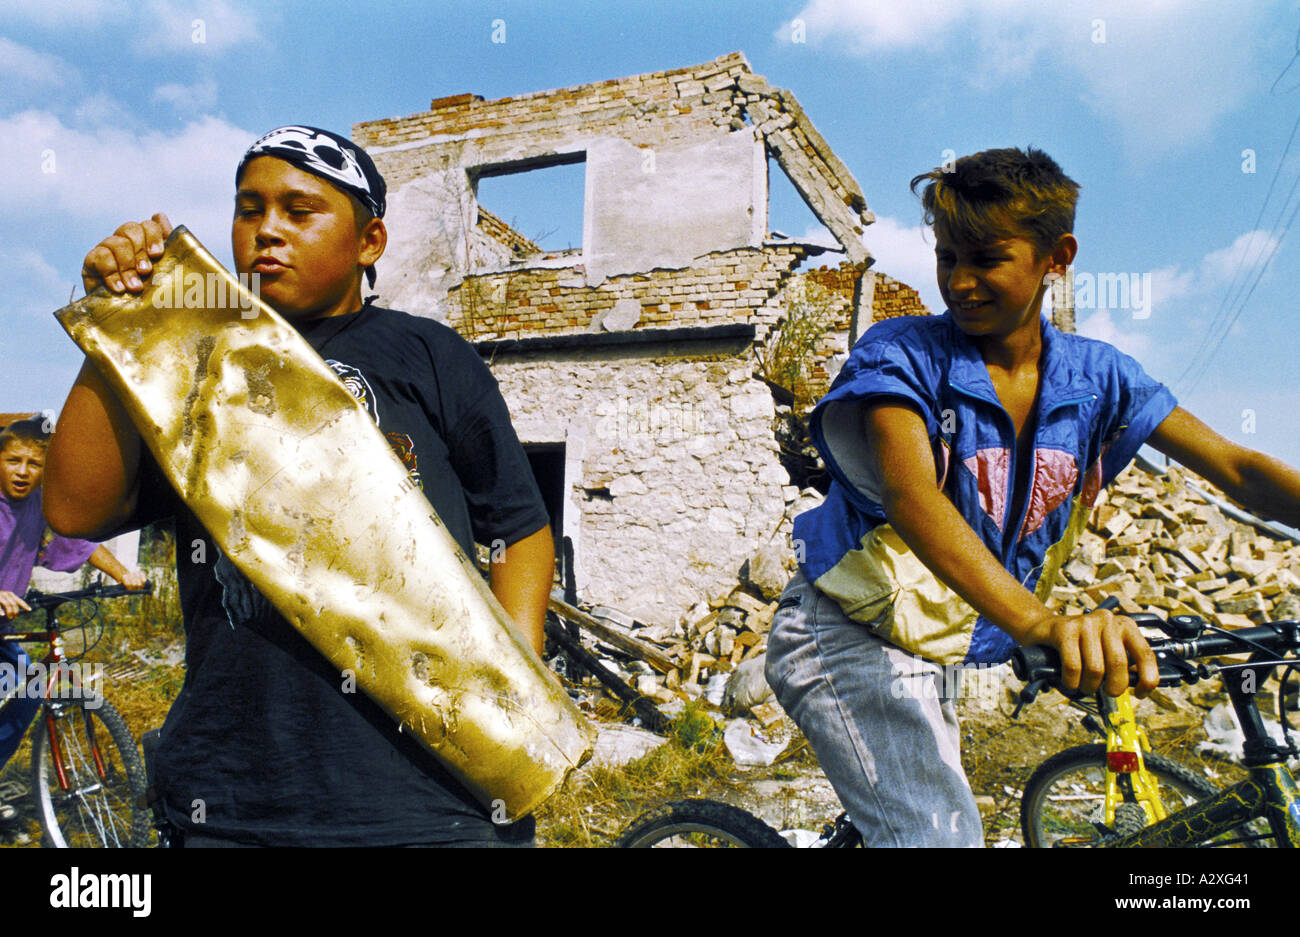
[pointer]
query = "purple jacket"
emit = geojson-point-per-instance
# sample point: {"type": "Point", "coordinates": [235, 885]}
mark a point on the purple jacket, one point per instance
{"type": "Point", "coordinates": [22, 527]}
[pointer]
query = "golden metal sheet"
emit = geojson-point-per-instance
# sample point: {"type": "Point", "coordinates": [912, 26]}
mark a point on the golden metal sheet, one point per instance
{"type": "Point", "coordinates": [295, 483]}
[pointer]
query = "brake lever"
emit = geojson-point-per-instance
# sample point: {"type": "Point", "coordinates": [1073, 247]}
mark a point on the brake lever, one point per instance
{"type": "Point", "coordinates": [1028, 694]}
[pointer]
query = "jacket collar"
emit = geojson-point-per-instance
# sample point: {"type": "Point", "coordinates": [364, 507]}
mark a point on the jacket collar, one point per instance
{"type": "Point", "coordinates": [1060, 381]}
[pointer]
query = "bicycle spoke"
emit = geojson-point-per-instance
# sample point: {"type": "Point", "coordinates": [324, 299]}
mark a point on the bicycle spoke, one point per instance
{"type": "Point", "coordinates": [97, 808]}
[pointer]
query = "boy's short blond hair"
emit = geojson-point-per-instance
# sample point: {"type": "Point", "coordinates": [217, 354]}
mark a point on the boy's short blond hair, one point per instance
{"type": "Point", "coordinates": [995, 194]}
{"type": "Point", "coordinates": [29, 431]}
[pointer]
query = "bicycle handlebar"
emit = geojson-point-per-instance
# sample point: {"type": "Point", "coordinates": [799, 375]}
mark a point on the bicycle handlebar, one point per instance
{"type": "Point", "coordinates": [1041, 663]}
{"type": "Point", "coordinates": [38, 599]}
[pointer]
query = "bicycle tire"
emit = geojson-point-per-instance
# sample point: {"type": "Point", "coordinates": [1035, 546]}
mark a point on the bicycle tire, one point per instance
{"type": "Point", "coordinates": [1077, 816]}
{"type": "Point", "coordinates": [699, 824]}
{"type": "Point", "coordinates": [93, 812]}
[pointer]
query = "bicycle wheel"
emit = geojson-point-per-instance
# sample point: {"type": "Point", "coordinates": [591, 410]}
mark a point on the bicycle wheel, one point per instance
{"type": "Point", "coordinates": [103, 774]}
{"type": "Point", "coordinates": [699, 824]}
{"type": "Point", "coordinates": [1065, 798]}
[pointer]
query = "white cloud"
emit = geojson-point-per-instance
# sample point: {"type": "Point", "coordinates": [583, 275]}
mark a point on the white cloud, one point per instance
{"type": "Point", "coordinates": [1182, 308]}
{"type": "Point", "coordinates": [65, 13]}
{"type": "Point", "coordinates": [186, 99]}
{"type": "Point", "coordinates": [1141, 66]}
{"type": "Point", "coordinates": [205, 25]}
{"type": "Point", "coordinates": [1100, 324]}
{"type": "Point", "coordinates": [905, 253]}
{"type": "Point", "coordinates": [1149, 75]}
{"type": "Point", "coordinates": [103, 110]}
{"type": "Point", "coordinates": [1244, 255]}
{"type": "Point", "coordinates": [106, 175]}
{"type": "Point", "coordinates": [868, 25]}
{"type": "Point", "coordinates": [24, 68]}
{"type": "Point", "coordinates": [818, 234]}
{"type": "Point", "coordinates": [1171, 285]}
{"type": "Point", "coordinates": [42, 283]}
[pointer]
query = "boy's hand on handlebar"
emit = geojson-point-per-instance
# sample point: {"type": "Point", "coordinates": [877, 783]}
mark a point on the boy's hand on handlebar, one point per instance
{"type": "Point", "coordinates": [1099, 646]}
{"type": "Point", "coordinates": [122, 260]}
{"type": "Point", "coordinates": [135, 579]}
{"type": "Point", "coordinates": [11, 605]}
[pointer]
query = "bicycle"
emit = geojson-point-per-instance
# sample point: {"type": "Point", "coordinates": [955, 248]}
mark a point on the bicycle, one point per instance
{"type": "Point", "coordinates": [1126, 766]}
{"type": "Point", "coordinates": [1125, 815]}
{"type": "Point", "coordinates": [87, 777]}
{"type": "Point", "coordinates": [1119, 782]}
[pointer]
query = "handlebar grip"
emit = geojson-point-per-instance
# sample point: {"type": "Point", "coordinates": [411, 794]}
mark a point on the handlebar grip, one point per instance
{"type": "Point", "coordinates": [1035, 663]}
{"type": "Point", "coordinates": [1041, 662]}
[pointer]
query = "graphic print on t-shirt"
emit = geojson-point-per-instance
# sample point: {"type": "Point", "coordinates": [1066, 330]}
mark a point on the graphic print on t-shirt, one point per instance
{"type": "Point", "coordinates": [357, 385]}
{"type": "Point", "coordinates": [405, 448]}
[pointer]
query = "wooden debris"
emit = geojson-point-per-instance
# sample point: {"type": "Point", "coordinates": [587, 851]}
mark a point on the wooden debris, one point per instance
{"type": "Point", "coordinates": [614, 635]}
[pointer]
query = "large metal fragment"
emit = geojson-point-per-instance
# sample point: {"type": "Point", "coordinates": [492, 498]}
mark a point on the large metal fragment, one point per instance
{"type": "Point", "coordinates": [291, 477]}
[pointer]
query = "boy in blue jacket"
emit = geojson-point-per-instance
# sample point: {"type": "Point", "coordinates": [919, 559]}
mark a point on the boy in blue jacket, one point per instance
{"type": "Point", "coordinates": [966, 451]}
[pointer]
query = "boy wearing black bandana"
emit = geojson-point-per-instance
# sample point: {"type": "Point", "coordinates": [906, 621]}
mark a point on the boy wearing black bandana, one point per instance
{"type": "Point", "coordinates": [262, 747]}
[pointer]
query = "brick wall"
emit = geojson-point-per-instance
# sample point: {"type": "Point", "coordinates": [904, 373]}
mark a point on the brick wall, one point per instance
{"type": "Point", "coordinates": [831, 290]}
{"type": "Point", "coordinates": [725, 287]}
{"type": "Point", "coordinates": [495, 228]}
{"type": "Point", "coordinates": [652, 110]}
{"type": "Point", "coordinates": [657, 109]}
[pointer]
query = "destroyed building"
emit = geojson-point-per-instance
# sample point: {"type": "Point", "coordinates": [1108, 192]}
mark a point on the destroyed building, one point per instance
{"type": "Point", "coordinates": [632, 364]}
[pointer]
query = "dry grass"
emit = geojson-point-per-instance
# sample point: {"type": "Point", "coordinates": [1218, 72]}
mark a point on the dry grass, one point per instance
{"type": "Point", "coordinates": [599, 802]}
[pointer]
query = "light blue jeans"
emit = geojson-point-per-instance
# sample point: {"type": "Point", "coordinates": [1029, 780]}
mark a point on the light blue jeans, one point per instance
{"type": "Point", "coordinates": [877, 717]}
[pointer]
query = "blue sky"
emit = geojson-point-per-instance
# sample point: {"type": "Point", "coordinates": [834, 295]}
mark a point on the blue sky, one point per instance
{"type": "Point", "coordinates": [111, 110]}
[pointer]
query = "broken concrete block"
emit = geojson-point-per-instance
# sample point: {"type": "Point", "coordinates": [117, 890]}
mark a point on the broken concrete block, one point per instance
{"type": "Point", "coordinates": [1080, 571]}
{"type": "Point", "coordinates": [617, 744]}
{"type": "Point", "coordinates": [766, 571]}
{"type": "Point", "coordinates": [748, 747]}
{"type": "Point", "coordinates": [746, 687]}
{"type": "Point", "coordinates": [1241, 605]}
{"type": "Point", "coordinates": [625, 314]}
{"type": "Point", "coordinates": [1118, 522]}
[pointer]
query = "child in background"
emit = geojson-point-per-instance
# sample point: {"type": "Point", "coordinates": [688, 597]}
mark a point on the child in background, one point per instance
{"type": "Point", "coordinates": [23, 546]}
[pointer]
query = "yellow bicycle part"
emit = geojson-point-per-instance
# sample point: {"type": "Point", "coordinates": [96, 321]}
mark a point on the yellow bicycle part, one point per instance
{"type": "Point", "coordinates": [1125, 737]}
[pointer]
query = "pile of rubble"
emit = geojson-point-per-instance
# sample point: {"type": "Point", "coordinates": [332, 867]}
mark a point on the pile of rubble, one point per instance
{"type": "Point", "coordinates": [713, 654]}
{"type": "Point", "coordinates": [1171, 542]}
{"type": "Point", "coordinates": [1156, 540]}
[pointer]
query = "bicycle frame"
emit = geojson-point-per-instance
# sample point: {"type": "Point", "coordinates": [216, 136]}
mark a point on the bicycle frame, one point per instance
{"type": "Point", "coordinates": [1269, 791]}
{"type": "Point", "coordinates": [1126, 748]}
{"type": "Point", "coordinates": [54, 661]}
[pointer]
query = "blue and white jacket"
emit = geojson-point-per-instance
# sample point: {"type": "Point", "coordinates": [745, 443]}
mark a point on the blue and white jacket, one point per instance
{"type": "Point", "coordinates": [1096, 407]}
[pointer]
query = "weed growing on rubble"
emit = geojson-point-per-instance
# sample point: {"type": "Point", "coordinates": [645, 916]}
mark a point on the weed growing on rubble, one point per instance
{"type": "Point", "coordinates": [790, 354]}
{"type": "Point", "coordinates": [600, 801]}
{"type": "Point", "coordinates": [695, 731]}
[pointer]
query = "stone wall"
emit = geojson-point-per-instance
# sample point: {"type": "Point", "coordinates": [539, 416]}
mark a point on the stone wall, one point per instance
{"type": "Point", "coordinates": [672, 478]}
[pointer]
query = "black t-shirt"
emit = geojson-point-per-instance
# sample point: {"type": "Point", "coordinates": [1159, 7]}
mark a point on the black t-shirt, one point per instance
{"type": "Point", "coordinates": [263, 745]}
